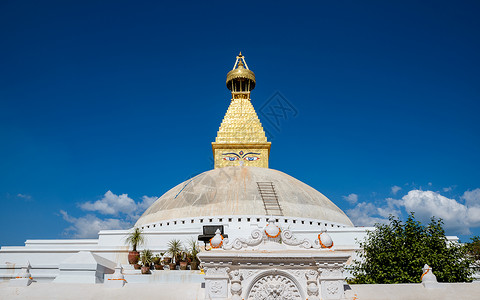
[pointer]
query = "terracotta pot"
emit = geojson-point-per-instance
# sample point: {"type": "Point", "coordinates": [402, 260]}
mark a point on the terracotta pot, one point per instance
{"type": "Point", "coordinates": [194, 265]}
{"type": "Point", "coordinates": [158, 267]}
{"type": "Point", "coordinates": [133, 257]}
{"type": "Point", "coordinates": [183, 265]}
{"type": "Point", "coordinates": [137, 266]}
{"type": "Point", "coordinates": [145, 270]}
{"type": "Point", "coordinates": [167, 260]}
{"type": "Point", "coordinates": [172, 266]}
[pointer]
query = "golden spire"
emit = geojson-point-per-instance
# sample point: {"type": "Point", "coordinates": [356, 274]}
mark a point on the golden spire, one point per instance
{"type": "Point", "coordinates": [241, 139]}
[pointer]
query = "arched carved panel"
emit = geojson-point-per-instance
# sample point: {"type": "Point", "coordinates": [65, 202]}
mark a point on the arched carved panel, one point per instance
{"type": "Point", "coordinates": [274, 287]}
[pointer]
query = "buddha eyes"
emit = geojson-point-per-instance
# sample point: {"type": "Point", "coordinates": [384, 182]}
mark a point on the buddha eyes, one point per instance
{"type": "Point", "coordinates": [237, 157]}
{"type": "Point", "coordinates": [230, 158]}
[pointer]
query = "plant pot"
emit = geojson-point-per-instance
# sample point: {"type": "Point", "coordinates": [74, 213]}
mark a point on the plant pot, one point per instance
{"type": "Point", "coordinates": [158, 267]}
{"type": "Point", "coordinates": [194, 265]}
{"type": "Point", "coordinates": [183, 265]}
{"type": "Point", "coordinates": [133, 257]}
{"type": "Point", "coordinates": [172, 266]}
{"type": "Point", "coordinates": [145, 270]}
{"type": "Point", "coordinates": [137, 266]}
{"type": "Point", "coordinates": [167, 260]}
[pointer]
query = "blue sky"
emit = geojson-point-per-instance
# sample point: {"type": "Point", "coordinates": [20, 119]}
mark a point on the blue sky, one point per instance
{"type": "Point", "coordinates": [106, 105]}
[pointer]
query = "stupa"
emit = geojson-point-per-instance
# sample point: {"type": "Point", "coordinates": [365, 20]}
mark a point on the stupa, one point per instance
{"type": "Point", "coordinates": [271, 235]}
{"type": "Point", "coordinates": [239, 195]}
{"type": "Point", "coordinates": [242, 187]}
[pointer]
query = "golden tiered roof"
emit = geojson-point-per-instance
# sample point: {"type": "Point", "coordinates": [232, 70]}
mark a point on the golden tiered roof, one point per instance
{"type": "Point", "coordinates": [241, 139]}
{"type": "Point", "coordinates": [241, 124]}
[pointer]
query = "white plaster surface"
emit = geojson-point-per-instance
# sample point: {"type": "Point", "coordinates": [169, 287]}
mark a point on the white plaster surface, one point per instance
{"type": "Point", "coordinates": [234, 190]}
{"type": "Point", "coordinates": [184, 291]}
{"type": "Point", "coordinates": [85, 291]}
{"type": "Point", "coordinates": [451, 291]}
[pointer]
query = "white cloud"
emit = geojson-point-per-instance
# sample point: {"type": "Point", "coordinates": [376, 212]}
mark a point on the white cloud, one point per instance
{"type": "Point", "coordinates": [24, 196]}
{"type": "Point", "coordinates": [447, 189]}
{"type": "Point", "coordinates": [472, 198]}
{"type": "Point", "coordinates": [429, 184]}
{"type": "Point", "coordinates": [145, 203]}
{"type": "Point", "coordinates": [395, 189]}
{"type": "Point", "coordinates": [111, 204]}
{"type": "Point", "coordinates": [456, 216]}
{"type": "Point", "coordinates": [89, 225]}
{"type": "Point", "coordinates": [352, 198]}
{"type": "Point", "coordinates": [365, 214]}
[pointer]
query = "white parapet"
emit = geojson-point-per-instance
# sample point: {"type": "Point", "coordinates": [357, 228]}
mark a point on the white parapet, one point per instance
{"type": "Point", "coordinates": [84, 267]}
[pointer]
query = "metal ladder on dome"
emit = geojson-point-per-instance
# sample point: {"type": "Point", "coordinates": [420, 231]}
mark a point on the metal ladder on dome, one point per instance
{"type": "Point", "coordinates": [270, 198]}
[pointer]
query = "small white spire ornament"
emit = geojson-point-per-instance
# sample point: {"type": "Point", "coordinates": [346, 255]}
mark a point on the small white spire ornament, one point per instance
{"type": "Point", "coordinates": [271, 230]}
{"type": "Point", "coordinates": [429, 280]}
{"type": "Point", "coordinates": [324, 238]}
{"type": "Point", "coordinates": [117, 279]}
{"type": "Point", "coordinates": [24, 278]}
{"type": "Point", "coordinates": [217, 240]}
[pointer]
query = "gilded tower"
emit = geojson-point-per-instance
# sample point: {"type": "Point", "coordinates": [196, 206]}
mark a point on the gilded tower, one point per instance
{"type": "Point", "coordinates": [241, 139]}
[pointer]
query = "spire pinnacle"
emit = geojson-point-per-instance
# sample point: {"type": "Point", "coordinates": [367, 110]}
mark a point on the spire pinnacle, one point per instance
{"type": "Point", "coordinates": [241, 140]}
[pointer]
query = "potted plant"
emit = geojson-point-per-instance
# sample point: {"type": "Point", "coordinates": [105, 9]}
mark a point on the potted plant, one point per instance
{"type": "Point", "coordinates": [183, 260]}
{"type": "Point", "coordinates": [174, 248]}
{"type": "Point", "coordinates": [193, 249]}
{"type": "Point", "coordinates": [167, 260]}
{"type": "Point", "coordinates": [156, 262]}
{"type": "Point", "coordinates": [134, 238]}
{"type": "Point", "coordinates": [147, 260]}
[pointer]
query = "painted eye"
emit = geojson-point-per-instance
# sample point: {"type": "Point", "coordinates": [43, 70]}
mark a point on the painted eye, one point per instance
{"type": "Point", "coordinates": [230, 158]}
{"type": "Point", "coordinates": [252, 158]}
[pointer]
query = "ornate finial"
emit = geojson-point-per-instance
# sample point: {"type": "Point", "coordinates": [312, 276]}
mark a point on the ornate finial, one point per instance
{"type": "Point", "coordinates": [240, 54]}
{"type": "Point", "coordinates": [240, 63]}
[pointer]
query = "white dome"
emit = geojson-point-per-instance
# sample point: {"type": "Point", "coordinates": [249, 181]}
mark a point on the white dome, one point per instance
{"type": "Point", "coordinates": [234, 191]}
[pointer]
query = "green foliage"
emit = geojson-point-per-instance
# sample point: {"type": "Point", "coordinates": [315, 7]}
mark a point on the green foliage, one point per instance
{"type": "Point", "coordinates": [473, 250]}
{"type": "Point", "coordinates": [135, 238]}
{"type": "Point", "coordinates": [396, 253]}
{"type": "Point", "coordinates": [175, 248]}
{"type": "Point", "coordinates": [146, 257]}
{"type": "Point", "coordinates": [193, 249]}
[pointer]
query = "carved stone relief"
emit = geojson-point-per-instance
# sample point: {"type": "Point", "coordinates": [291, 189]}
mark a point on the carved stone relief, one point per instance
{"type": "Point", "coordinates": [274, 287]}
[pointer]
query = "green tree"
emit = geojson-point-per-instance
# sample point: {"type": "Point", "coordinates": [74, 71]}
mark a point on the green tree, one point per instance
{"type": "Point", "coordinates": [473, 250]}
{"type": "Point", "coordinates": [396, 253]}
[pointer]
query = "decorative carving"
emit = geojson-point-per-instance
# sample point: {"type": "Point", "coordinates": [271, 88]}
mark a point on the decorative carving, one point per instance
{"type": "Point", "coordinates": [216, 272]}
{"type": "Point", "coordinates": [216, 287]}
{"type": "Point", "coordinates": [236, 275]}
{"type": "Point", "coordinates": [217, 240]}
{"type": "Point", "coordinates": [246, 275]}
{"type": "Point", "coordinates": [333, 273]}
{"type": "Point", "coordinates": [332, 287]}
{"type": "Point", "coordinates": [311, 275]}
{"type": "Point", "coordinates": [312, 287]}
{"type": "Point", "coordinates": [274, 287]}
{"type": "Point", "coordinates": [324, 238]}
{"type": "Point", "coordinates": [289, 239]}
{"type": "Point", "coordinates": [271, 233]}
{"type": "Point", "coordinates": [239, 243]}
{"type": "Point", "coordinates": [236, 284]}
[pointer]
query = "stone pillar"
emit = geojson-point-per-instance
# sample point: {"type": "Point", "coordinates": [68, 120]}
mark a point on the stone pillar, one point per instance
{"type": "Point", "coordinates": [236, 284]}
{"type": "Point", "coordinates": [312, 284]}
{"type": "Point", "coordinates": [216, 282]}
{"type": "Point", "coordinates": [331, 281]}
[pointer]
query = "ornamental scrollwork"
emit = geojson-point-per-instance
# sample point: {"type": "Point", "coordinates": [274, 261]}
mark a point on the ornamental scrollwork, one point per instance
{"type": "Point", "coordinates": [239, 243]}
{"type": "Point", "coordinates": [274, 287]}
